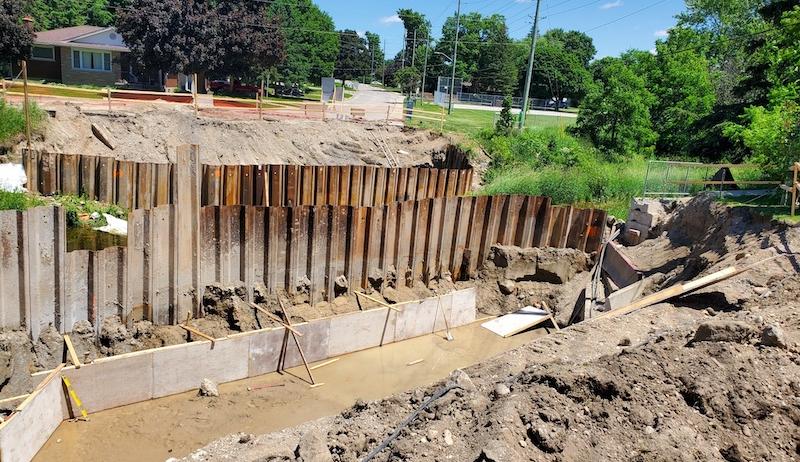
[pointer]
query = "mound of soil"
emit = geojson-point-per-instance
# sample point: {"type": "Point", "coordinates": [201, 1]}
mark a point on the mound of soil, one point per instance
{"type": "Point", "coordinates": [150, 133]}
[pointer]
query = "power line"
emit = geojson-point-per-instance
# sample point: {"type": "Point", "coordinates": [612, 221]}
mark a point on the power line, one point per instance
{"type": "Point", "coordinates": [625, 16]}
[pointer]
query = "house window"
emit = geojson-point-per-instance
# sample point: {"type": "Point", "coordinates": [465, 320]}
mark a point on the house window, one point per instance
{"type": "Point", "coordinates": [91, 60]}
{"type": "Point", "coordinates": [43, 53]}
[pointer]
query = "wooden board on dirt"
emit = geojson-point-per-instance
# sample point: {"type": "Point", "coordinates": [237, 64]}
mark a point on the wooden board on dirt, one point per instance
{"type": "Point", "coordinates": [518, 321]}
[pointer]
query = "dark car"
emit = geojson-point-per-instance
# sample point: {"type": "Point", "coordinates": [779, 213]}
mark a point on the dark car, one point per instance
{"type": "Point", "coordinates": [551, 104]}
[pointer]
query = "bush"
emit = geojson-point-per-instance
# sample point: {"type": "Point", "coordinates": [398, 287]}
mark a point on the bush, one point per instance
{"type": "Point", "coordinates": [17, 200]}
{"type": "Point", "coordinates": [552, 163]}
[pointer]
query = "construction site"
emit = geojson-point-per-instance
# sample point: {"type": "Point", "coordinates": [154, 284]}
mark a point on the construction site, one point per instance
{"type": "Point", "coordinates": [340, 293]}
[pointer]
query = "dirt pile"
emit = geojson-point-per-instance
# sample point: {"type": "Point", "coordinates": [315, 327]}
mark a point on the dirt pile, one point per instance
{"type": "Point", "coordinates": [150, 133]}
{"type": "Point", "coordinates": [702, 378]}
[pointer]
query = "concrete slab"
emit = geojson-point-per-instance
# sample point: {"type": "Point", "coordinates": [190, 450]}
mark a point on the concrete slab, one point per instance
{"type": "Point", "coordinates": [23, 436]}
{"type": "Point", "coordinates": [358, 331]}
{"type": "Point", "coordinates": [265, 351]}
{"type": "Point", "coordinates": [465, 303]}
{"type": "Point", "coordinates": [114, 382]}
{"type": "Point", "coordinates": [180, 368]}
{"type": "Point", "coordinates": [415, 320]}
{"type": "Point", "coordinates": [314, 342]}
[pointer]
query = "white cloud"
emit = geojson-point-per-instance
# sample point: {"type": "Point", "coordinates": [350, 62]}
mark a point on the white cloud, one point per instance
{"type": "Point", "coordinates": [653, 51]}
{"type": "Point", "coordinates": [393, 19]}
{"type": "Point", "coordinates": [661, 33]}
{"type": "Point", "coordinates": [610, 5]}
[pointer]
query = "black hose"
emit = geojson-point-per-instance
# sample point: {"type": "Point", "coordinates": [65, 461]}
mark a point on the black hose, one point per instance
{"type": "Point", "coordinates": [442, 391]}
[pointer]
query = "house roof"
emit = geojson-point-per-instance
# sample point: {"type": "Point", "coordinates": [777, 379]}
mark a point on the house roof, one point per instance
{"type": "Point", "coordinates": [67, 36]}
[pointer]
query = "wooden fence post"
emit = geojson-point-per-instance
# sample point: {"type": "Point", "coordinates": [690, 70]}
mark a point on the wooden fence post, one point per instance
{"type": "Point", "coordinates": [795, 169]}
{"type": "Point", "coordinates": [187, 211]}
{"type": "Point", "coordinates": [109, 100]}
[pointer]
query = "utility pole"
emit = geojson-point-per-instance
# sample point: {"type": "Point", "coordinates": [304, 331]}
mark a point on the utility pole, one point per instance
{"type": "Point", "coordinates": [455, 57]}
{"type": "Point", "coordinates": [425, 65]}
{"type": "Point", "coordinates": [405, 42]}
{"type": "Point", "coordinates": [526, 93]}
{"type": "Point", "coordinates": [414, 50]}
{"type": "Point", "coordinates": [383, 64]}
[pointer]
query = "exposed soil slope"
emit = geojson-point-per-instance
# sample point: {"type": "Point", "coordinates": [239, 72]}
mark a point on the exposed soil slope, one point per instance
{"type": "Point", "coordinates": [150, 133]}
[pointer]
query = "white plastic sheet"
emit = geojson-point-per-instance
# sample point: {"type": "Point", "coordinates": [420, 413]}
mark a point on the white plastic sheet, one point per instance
{"type": "Point", "coordinates": [12, 177]}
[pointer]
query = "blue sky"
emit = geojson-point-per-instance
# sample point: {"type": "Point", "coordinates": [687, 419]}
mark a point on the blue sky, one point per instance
{"type": "Point", "coordinates": [646, 19]}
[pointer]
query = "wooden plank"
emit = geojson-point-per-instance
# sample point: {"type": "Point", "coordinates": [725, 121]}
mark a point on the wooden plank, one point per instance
{"type": "Point", "coordinates": [358, 274]}
{"type": "Point", "coordinates": [163, 182]}
{"type": "Point", "coordinates": [292, 185]}
{"type": "Point", "coordinates": [476, 236]}
{"type": "Point", "coordinates": [544, 217]}
{"type": "Point", "coordinates": [106, 170]}
{"type": "Point", "coordinates": [73, 356]}
{"type": "Point", "coordinates": [462, 211]}
{"type": "Point", "coordinates": [187, 213]}
{"type": "Point", "coordinates": [392, 175]}
{"type": "Point", "coordinates": [356, 185]}
{"type": "Point", "coordinates": [518, 321]}
{"type": "Point", "coordinates": [260, 185]}
{"type": "Point", "coordinates": [435, 239]}
{"type": "Point", "coordinates": [596, 232]}
{"type": "Point", "coordinates": [88, 180]}
{"type": "Point", "coordinates": [231, 189]}
{"type": "Point", "coordinates": [374, 241]}
{"type": "Point", "coordinates": [318, 253]}
{"type": "Point", "coordinates": [276, 186]}
{"type": "Point", "coordinates": [441, 183]}
{"type": "Point", "coordinates": [368, 198]}
{"type": "Point", "coordinates": [209, 245]}
{"type": "Point", "coordinates": [161, 270]}
{"type": "Point", "coordinates": [424, 176]}
{"type": "Point", "coordinates": [390, 238]}
{"type": "Point", "coordinates": [411, 185]}
{"type": "Point", "coordinates": [405, 239]}
{"type": "Point", "coordinates": [379, 195]}
{"type": "Point", "coordinates": [321, 185]}
{"type": "Point", "coordinates": [579, 229]}
{"type": "Point", "coordinates": [334, 173]}
{"type": "Point", "coordinates": [452, 183]}
{"type": "Point", "coordinates": [344, 185]}
{"type": "Point", "coordinates": [145, 183]}
{"type": "Point", "coordinates": [421, 234]}
{"type": "Point", "coordinates": [402, 184]}
{"type": "Point", "coordinates": [247, 185]}
{"type": "Point", "coordinates": [307, 193]}
{"type": "Point", "coordinates": [338, 247]}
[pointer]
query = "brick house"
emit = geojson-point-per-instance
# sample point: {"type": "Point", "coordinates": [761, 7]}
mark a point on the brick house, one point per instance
{"type": "Point", "coordinates": [81, 55]}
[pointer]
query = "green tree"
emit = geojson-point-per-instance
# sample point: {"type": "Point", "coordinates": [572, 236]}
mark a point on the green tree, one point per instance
{"type": "Point", "coordinates": [414, 21]}
{"type": "Point", "coordinates": [311, 41]}
{"type": "Point", "coordinates": [54, 14]}
{"type": "Point", "coordinates": [577, 43]}
{"type": "Point", "coordinates": [199, 36]}
{"type": "Point", "coordinates": [353, 61]}
{"type": "Point", "coordinates": [505, 123]}
{"type": "Point", "coordinates": [375, 53]}
{"type": "Point", "coordinates": [15, 38]}
{"type": "Point", "coordinates": [408, 79]}
{"type": "Point", "coordinates": [681, 83]}
{"type": "Point", "coordinates": [559, 71]}
{"type": "Point", "coordinates": [497, 70]}
{"type": "Point", "coordinates": [615, 114]}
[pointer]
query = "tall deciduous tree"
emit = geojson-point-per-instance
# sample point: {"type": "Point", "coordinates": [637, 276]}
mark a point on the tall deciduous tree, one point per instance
{"type": "Point", "coordinates": [15, 37]}
{"type": "Point", "coordinates": [200, 36]}
{"type": "Point", "coordinates": [353, 61]}
{"type": "Point", "coordinates": [615, 114]}
{"type": "Point", "coordinates": [414, 21]}
{"type": "Point", "coordinates": [54, 14]}
{"type": "Point", "coordinates": [559, 71]}
{"type": "Point", "coordinates": [311, 41]}
{"type": "Point", "coordinates": [376, 56]}
{"type": "Point", "coordinates": [577, 43]}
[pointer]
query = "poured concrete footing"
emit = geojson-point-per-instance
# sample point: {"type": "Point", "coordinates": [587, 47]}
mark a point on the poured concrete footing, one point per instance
{"type": "Point", "coordinates": [135, 377]}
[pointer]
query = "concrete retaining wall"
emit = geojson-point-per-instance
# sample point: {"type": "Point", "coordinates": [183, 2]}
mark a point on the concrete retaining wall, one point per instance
{"type": "Point", "coordinates": [130, 378]}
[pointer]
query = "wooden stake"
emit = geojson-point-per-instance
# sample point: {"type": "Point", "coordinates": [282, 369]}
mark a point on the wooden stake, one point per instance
{"type": "Point", "coordinates": [276, 319]}
{"type": "Point", "coordinates": [682, 288]}
{"type": "Point", "coordinates": [196, 332]}
{"type": "Point", "coordinates": [296, 342]}
{"type": "Point", "coordinates": [14, 398]}
{"type": "Point", "coordinates": [108, 93]}
{"type": "Point", "coordinates": [194, 93]}
{"type": "Point", "coordinates": [73, 356]}
{"type": "Point", "coordinates": [330, 361]}
{"type": "Point", "coordinates": [387, 305]}
{"type": "Point", "coordinates": [26, 104]}
{"type": "Point", "coordinates": [794, 187]}
{"type": "Point", "coordinates": [416, 361]}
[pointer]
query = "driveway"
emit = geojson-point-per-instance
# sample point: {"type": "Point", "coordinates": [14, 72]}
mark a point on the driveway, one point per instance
{"type": "Point", "coordinates": [376, 103]}
{"type": "Point", "coordinates": [540, 112]}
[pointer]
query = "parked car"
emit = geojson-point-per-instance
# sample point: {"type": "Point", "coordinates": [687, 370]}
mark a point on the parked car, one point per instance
{"type": "Point", "coordinates": [553, 103]}
{"type": "Point", "coordinates": [291, 90]}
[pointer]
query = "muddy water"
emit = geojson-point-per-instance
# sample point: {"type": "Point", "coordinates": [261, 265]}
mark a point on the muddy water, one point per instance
{"type": "Point", "coordinates": [176, 425]}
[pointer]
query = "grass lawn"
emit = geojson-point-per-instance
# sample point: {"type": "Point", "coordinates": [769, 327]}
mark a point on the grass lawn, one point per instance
{"type": "Point", "coordinates": [18, 200]}
{"type": "Point", "coordinates": [12, 121]}
{"type": "Point", "coordinates": [470, 121]}
{"type": "Point", "coordinates": [60, 90]}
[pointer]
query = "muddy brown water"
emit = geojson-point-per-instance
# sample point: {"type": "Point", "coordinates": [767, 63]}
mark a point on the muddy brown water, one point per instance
{"type": "Point", "coordinates": [176, 425]}
{"type": "Point", "coordinates": [85, 238]}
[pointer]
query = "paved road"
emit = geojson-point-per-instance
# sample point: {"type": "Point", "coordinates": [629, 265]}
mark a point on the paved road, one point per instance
{"type": "Point", "coordinates": [376, 103]}
{"type": "Point", "coordinates": [516, 111]}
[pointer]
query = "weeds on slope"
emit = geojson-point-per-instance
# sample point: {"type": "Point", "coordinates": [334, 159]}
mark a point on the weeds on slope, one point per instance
{"type": "Point", "coordinates": [550, 162]}
{"type": "Point", "coordinates": [12, 121]}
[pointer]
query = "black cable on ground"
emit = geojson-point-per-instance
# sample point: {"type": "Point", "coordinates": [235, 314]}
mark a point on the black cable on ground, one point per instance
{"type": "Point", "coordinates": [442, 391]}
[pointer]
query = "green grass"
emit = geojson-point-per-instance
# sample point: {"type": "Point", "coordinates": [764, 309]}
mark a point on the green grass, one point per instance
{"type": "Point", "coordinates": [12, 121]}
{"type": "Point", "coordinates": [769, 206]}
{"type": "Point", "coordinates": [471, 121]}
{"type": "Point", "coordinates": [63, 90]}
{"type": "Point", "coordinates": [549, 162]}
{"type": "Point", "coordinates": [75, 206]}
{"type": "Point", "coordinates": [18, 200]}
